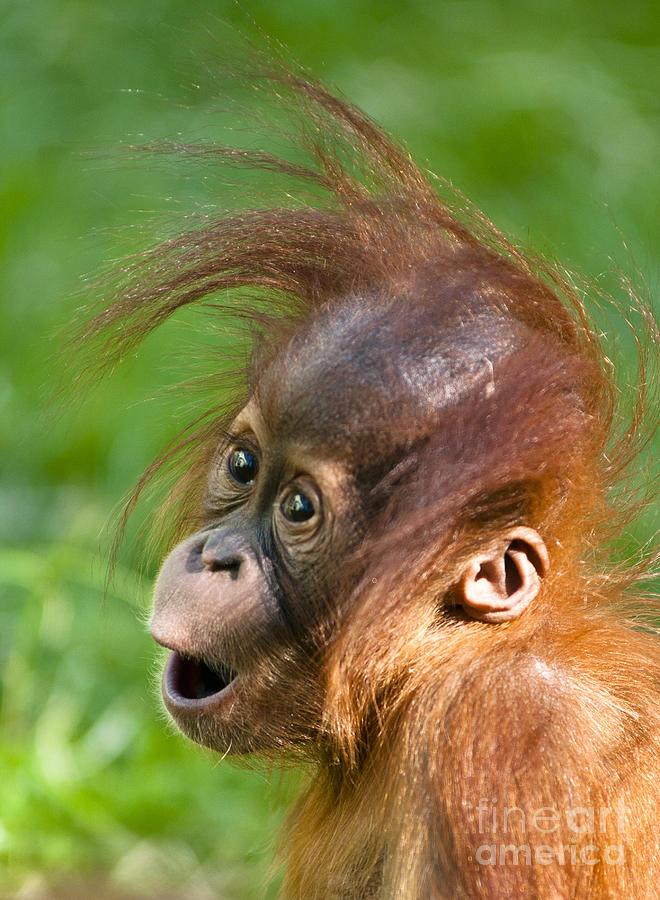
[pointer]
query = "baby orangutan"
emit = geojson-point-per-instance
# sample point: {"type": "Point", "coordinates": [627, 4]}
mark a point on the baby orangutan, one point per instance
{"type": "Point", "coordinates": [392, 564]}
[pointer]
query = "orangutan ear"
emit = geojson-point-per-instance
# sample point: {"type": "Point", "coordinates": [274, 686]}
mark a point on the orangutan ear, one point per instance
{"type": "Point", "coordinates": [497, 585]}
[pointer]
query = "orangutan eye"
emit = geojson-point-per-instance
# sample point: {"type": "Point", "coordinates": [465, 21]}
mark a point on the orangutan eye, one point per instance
{"type": "Point", "coordinates": [243, 466]}
{"type": "Point", "coordinates": [297, 507]}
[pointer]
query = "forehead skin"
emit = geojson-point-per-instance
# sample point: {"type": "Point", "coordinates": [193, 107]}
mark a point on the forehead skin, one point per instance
{"type": "Point", "coordinates": [356, 369]}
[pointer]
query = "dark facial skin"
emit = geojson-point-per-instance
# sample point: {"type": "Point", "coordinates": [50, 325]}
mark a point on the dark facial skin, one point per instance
{"type": "Point", "coordinates": [246, 604]}
{"type": "Point", "coordinates": [278, 522]}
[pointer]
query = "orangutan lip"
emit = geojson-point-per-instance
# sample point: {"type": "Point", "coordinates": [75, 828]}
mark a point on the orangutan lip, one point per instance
{"type": "Point", "coordinates": [192, 683]}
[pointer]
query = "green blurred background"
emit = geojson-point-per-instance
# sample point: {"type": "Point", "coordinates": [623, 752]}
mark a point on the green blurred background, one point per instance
{"type": "Point", "coordinates": [546, 114]}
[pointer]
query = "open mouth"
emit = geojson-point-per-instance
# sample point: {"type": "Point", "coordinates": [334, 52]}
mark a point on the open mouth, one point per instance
{"type": "Point", "coordinates": [191, 682]}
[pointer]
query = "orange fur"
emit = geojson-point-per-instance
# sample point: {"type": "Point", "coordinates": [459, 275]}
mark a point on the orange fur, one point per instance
{"type": "Point", "coordinates": [431, 725]}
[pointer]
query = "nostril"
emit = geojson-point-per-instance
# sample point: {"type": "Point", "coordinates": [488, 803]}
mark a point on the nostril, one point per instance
{"type": "Point", "coordinates": [225, 551]}
{"type": "Point", "coordinates": [218, 561]}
